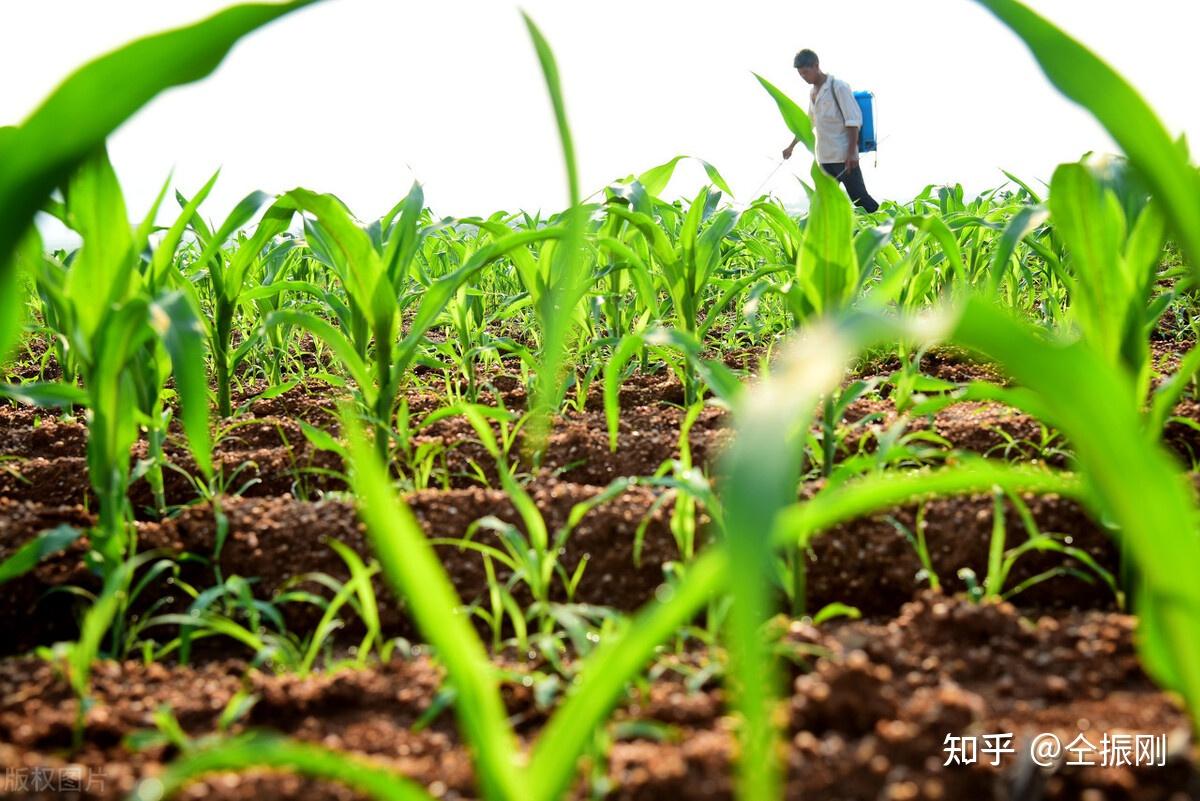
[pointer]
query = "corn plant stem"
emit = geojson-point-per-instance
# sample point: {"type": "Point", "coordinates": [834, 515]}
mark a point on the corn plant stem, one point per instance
{"type": "Point", "coordinates": [111, 530]}
{"type": "Point", "coordinates": [995, 574]}
{"type": "Point", "coordinates": [935, 583]}
{"type": "Point", "coordinates": [828, 436]}
{"type": "Point", "coordinates": [223, 329]}
{"type": "Point", "coordinates": [359, 332]}
{"type": "Point", "coordinates": [799, 580]}
{"type": "Point", "coordinates": [384, 400]}
{"type": "Point", "coordinates": [156, 437]}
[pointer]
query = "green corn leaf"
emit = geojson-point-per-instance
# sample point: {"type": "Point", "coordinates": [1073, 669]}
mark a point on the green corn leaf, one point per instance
{"type": "Point", "coordinates": [1092, 226]}
{"type": "Point", "coordinates": [435, 298]}
{"type": "Point", "coordinates": [262, 750]}
{"type": "Point", "coordinates": [654, 235]}
{"type": "Point", "coordinates": [28, 555]}
{"type": "Point", "coordinates": [413, 570]}
{"type": "Point", "coordinates": [874, 493]}
{"type": "Point", "coordinates": [828, 267]}
{"type": "Point", "coordinates": [368, 609]}
{"type": "Point", "coordinates": [688, 233]}
{"type": "Point", "coordinates": [628, 347]}
{"type": "Point", "coordinates": [867, 244]}
{"type": "Point", "coordinates": [1027, 220]}
{"type": "Point", "coordinates": [785, 228]}
{"type": "Point", "coordinates": [113, 429]}
{"type": "Point", "coordinates": [937, 228]}
{"type": "Point", "coordinates": [404, 241]}
{"type": "Point", "coordinates": [79, 115]}
{"type": "Point", "coordinates": [535, 525]}
{"type": "Point", "coordinates": [28, 258]}
{"type": "Point", "coordinates": [336, 341]}
{"type": "Point", "coordinates": [164, 254]}
{"type": "Point", "coordinates": [274, 222]}
{"type": "Point", "coordinates": [46, 393]}
{"type": "Point", "coordinates": [732, 292]}
{"type": "Point", "coordinates": [97, 620]}
{"type": "Point", "coordinates": [554, 86]}
{"type": "Point", "coordinates": [708, 247]}
{"type": "Point", "coordinates": [655, 179]}
{"type": "Point", "coordinates": [141, 235]}
{"type": "Point", "coordinates": [1034, 196]}
{"type": "Point", "coordinates": [793, 116]}
{"type": "Point", "coordinates": [1084, 78]}
{"type": "Point", "coordinates": [270, 291]}
{"type": "Point", "coordinates": [715, 375]}
{"type": "Point", "coordinates": [367, 284]}
{"type": "Point", "coordinates": [102, 271]}
{"type": "Point", "coordinates": [570, 272]}
{"type": "Point", "coordinates": [179, 328]}
{"type": "Point", "coordinates": [236, 220]}
{"type": "Point", "coordinates": [607, 672]}
{"type": "Point", "coordinates": [1093, 405]}
{"type": "Point", "coordinates": [835, 610]}
{"type": "Point", "coordinates": [320, 439]}
{"type": "Point", "coordinates": [761, 472]}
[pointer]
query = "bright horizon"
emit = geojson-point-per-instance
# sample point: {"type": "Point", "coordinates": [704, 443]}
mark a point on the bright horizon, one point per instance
{"type": "Point", "coordinates": [359, 97]}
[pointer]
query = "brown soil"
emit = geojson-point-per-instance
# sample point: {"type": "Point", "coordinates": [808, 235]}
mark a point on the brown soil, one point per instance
{"type": "Point", "coordinates": [990, 429]}
{"type": "Point", "coordinates": [868, 563]}
{"type": "Point", "coordinates": [946, 364]}
{"type": "Point", "coordinates": [867, 719]}
{"type": "Point", "coordinates": [265, 453]}
{"type": "Point", "coordinates": [268, 456]}
{"type": "Point", "coordinates": [1183, 438]}
{"type": "Point", "coordinates": [30, 613]}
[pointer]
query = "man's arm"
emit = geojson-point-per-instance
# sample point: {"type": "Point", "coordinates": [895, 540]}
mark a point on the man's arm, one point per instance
{"type": "Point", "coordinates": [852, 148]}
{"type": "Point", "coordinates": [787, 151]}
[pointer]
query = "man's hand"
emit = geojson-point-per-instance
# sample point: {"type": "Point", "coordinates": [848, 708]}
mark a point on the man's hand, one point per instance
{"type": "Point", "coordinates": [851, 163]}
{"type": "Point", "coordinates": [787, 151]}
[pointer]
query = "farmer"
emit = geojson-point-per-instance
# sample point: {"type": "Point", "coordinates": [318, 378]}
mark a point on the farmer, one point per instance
{"type": "Point", "coordinates": [836, 119]}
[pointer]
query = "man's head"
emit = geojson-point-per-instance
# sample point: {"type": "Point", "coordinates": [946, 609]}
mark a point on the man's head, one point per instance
{"type": "Point", "coordinates": [808, 65]}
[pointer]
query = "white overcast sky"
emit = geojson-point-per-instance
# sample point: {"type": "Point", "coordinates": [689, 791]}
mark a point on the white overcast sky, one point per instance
{"type": "Point", "coordinates": [358, 97]}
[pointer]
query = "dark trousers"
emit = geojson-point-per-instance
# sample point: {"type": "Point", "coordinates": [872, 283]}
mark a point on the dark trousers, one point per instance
{"type": "Point", "coordinates": [853, 181]}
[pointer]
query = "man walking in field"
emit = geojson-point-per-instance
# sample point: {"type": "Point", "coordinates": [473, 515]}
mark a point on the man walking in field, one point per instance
{"type": "Point", "coordinates": [836, 120]}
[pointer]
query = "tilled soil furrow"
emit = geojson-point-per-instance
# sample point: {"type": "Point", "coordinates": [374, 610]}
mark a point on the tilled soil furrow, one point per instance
{"type": "Point", "coordinates": [269, 456]}
{"type": "Point", "coordinates": [867, 563]}
{"type": "Point", "coordinates": [867, 718]}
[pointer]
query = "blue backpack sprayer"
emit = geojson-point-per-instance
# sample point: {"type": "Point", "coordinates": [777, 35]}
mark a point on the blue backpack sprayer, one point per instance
{"type": "Point", "coordinates": [867, 143]}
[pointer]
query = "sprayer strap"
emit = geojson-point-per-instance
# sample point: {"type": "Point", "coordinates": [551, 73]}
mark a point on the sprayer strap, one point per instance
{"type": "Point", "coordinates": [833, 91]}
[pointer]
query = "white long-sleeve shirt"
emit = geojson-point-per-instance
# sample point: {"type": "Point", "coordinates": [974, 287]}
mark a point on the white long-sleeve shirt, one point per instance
{"type": "Point", "coordinates": [833, 143]}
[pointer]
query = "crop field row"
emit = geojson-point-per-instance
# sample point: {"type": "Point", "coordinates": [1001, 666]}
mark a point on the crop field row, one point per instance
{"type": "Point", "coordinates": [642, 499]}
